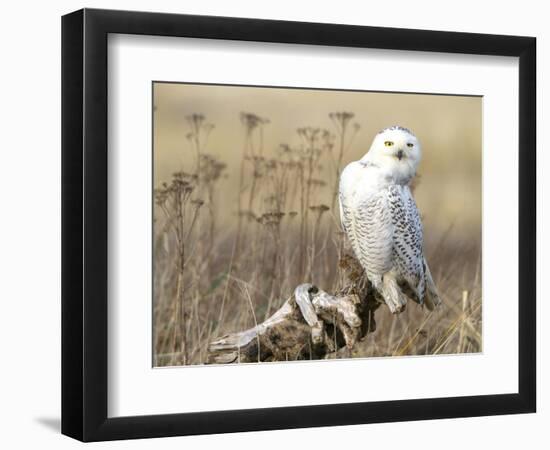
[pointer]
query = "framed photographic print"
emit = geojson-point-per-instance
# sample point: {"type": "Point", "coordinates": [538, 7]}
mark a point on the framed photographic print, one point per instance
{"type": "Point", "coordinates": [273, 224]}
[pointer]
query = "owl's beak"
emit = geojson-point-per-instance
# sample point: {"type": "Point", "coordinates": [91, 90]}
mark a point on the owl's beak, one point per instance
{"type": "Point", "coordinates": [400, 155]}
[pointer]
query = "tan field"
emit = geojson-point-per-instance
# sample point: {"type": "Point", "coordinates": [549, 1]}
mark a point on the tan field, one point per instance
{"type": "Point", "coordinates": [246, 210]}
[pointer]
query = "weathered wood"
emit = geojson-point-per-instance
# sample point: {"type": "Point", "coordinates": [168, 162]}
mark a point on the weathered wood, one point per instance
{"type": "Point", "coordinates": [312, 324]}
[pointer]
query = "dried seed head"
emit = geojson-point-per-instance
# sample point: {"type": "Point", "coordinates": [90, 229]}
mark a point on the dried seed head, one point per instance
{"type": "Point", "coordinates": [321, 208]}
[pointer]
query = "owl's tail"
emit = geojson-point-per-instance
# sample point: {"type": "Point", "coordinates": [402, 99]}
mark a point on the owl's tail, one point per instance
{"type": "Point", "coordinates": [431, 296]}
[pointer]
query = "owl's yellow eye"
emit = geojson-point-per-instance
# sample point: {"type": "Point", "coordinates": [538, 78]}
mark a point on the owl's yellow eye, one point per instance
{"type": "Point", "coordinates": [410, 144]}
{"type": "Point", "coordinates": [388, 143]}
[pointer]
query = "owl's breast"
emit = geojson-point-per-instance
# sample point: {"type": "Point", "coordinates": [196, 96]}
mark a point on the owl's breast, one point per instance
{"type": "Point", "coordinates": [359, 182]}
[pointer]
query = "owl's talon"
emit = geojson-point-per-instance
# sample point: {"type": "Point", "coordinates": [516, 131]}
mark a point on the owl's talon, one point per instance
{"type": "Point", "coordinates": [396, 306]}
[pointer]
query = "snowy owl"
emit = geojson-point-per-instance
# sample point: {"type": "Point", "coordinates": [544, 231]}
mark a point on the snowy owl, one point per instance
{"type": "Point", "coordinates": [381, 220]}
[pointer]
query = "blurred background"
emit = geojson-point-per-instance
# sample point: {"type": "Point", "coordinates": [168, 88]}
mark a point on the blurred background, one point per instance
{"type": "Point", "coordinates": [449, 128]}
{"type": "Point", "coordinates": [252, 211]}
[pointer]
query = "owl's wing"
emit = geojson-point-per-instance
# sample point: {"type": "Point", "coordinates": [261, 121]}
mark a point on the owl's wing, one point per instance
{"type": "Point", "coordinates": [408, 239]}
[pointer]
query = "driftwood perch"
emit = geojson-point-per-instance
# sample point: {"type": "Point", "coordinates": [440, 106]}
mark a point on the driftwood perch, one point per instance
{"type": "Point", "coordinates": [312, 324]}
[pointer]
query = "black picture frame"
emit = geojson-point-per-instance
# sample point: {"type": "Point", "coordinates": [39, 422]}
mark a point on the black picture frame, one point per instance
{"type": "Point", "coordinates": [84, 224]}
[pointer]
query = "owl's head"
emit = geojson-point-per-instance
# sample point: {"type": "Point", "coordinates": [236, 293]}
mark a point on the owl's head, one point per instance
{"type": "Point", "coordinates": [396, 150]}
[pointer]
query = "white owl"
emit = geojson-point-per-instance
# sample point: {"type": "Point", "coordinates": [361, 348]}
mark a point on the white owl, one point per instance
{"type": "Point", "coordinates": [381, 220]}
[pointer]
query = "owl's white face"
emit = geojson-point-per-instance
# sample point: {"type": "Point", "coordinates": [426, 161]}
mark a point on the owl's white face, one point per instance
{"type": "Point", "coordinates": [397, 151]}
